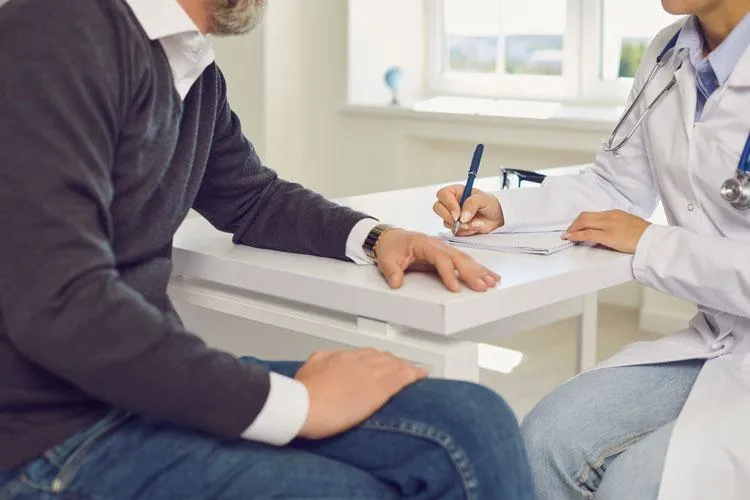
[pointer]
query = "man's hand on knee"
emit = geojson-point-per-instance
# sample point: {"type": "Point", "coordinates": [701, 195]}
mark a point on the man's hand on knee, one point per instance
{"type": "Point", "coordinates": [347, 387]}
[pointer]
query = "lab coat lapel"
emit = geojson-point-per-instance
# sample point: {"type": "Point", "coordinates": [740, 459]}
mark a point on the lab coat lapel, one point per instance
{"type": "Point", "coordinates": [688, 95]}
{"type": "Point", "coordinates": [740, 77]}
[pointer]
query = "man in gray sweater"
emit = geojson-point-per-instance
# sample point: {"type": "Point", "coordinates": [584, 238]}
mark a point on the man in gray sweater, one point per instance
{"type": "Point", "coordinates": [114, 122]}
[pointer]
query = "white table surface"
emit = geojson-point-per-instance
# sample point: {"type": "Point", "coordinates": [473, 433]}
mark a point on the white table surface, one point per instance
{"type": "Point", "coordinates": [529, 282]}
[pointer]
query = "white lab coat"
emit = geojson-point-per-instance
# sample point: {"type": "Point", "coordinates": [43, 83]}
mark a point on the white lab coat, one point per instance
{"type": "Point", "coordinates": [703, 256]}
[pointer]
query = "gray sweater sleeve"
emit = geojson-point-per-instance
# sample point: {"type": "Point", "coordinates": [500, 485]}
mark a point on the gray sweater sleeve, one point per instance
{"type": "Point", "coordinates": [241, 196]}
{"type": "Point", "coordinates": [63, 91]}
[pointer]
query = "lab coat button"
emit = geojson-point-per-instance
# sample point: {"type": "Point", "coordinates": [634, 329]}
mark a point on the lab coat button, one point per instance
{"type": "Point", "coordinates": [690, 207]}
{"type": "Point", "coordinates": [717, 346]}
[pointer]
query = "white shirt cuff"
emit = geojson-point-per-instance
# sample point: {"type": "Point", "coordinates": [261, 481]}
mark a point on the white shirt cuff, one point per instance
{"type": "Point", "coordinates": [357, 238]}
{"type": "Point", "coordinates": [284, 413]}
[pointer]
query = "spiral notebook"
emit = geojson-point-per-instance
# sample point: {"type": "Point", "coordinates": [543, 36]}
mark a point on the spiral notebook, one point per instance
{"type": "Point", "coordinates": [545, 243]}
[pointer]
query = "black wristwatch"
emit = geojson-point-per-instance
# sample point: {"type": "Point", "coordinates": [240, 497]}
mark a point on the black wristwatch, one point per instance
{"type": "Point", "coordinates": [372, 239]}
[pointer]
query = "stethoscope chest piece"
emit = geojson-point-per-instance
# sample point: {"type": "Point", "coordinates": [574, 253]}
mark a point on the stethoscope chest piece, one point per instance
{"type": "Point", "coordinates": [737, 190]}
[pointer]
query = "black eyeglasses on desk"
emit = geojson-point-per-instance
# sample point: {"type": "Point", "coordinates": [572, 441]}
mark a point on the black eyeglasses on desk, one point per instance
{"type": "Point", "coordinates": [510, 174]}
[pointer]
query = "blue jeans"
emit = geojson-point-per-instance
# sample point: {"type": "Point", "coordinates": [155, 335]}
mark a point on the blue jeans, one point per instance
{"type": "Point", "coordinates": [436, 439]}
{"type": "Point", "coordinates": [605, 433]}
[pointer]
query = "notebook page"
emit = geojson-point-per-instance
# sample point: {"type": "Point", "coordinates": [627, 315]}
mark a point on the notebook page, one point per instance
{"type": "Point", "coordinates": [536, 243]}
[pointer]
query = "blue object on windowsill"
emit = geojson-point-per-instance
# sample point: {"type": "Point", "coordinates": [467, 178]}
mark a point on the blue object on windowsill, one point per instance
{"type": "Point", "coordinates": [392, 78]}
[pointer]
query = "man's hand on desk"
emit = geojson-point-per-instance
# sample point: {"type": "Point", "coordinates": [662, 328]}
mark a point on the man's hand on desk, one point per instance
{"type": "Point", "coordinates": [398, 251]}
{"type": "Point", "coordinates": [481, 212]}
{"type": "Point", "coordinates": [614, 229]}
{"type": "Point", "coordinates": [347, 387]}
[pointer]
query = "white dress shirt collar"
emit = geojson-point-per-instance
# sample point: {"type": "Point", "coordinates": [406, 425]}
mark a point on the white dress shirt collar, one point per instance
{"type": "Point", "coordinates": [188, 51]}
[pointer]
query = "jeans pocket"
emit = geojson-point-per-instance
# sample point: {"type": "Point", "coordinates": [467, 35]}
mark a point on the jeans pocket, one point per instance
{"type": "Point", "coordinates": [56, 469]}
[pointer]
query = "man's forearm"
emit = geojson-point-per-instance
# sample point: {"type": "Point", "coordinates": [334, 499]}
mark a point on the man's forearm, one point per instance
{"type": "Point", "coordinates": [242, 196]}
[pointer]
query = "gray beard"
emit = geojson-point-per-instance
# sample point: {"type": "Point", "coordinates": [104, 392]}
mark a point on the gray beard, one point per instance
{"type": "Point", "coordinates": [235, 17]}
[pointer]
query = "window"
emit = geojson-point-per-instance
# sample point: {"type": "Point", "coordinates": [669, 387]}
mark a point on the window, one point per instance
{"type": "Point", "coordinates": [504, 37]}
{"type": "Point", "coordinates": [584, 50]}
{"type": "Point", "coordinates": [627, 29]}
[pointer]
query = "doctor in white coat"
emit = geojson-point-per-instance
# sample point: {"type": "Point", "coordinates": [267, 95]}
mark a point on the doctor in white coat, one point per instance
{"type": "Point", "coordinates": [668, 419]}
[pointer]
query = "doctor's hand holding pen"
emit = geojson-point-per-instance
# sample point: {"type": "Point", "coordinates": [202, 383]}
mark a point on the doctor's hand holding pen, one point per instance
{"type": "Point", "coordinates": [467, 211]}
{"type": "Point", "coordinates": [482, 214]}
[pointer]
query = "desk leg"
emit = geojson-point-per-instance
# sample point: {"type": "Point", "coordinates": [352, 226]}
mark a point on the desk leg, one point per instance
{"type": "Point", "coordinates": [460, 362]}
{"type": "Point", "coordinates": [443, 356]}
{"type": "Point", "coordinates": [588, 332]}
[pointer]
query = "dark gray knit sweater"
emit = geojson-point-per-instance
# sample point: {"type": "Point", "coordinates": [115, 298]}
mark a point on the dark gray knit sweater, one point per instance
{"type": "Point", "coordinates": [100, 160]}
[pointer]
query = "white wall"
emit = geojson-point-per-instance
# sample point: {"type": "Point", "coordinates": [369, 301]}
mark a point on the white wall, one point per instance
{"type": "Point", "coordinates": [243, 62]}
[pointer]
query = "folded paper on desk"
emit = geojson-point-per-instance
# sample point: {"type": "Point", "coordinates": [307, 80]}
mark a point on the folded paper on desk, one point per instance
{"type": "Point", "coordinates": [537, 243]}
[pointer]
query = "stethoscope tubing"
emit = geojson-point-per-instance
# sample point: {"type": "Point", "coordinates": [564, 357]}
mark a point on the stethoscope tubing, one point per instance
{"type": "Point", "coordinates": [661, 61]}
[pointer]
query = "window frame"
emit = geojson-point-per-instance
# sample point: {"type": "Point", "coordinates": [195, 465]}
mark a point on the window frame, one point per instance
{"type": "Point", "coordinates": [592, 87]}
{"type": "Point", "coordinates": [580, 83]}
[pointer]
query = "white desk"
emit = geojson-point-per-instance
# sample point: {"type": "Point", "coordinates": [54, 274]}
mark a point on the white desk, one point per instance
{"type": "Point", "coordinates": [221, 286]}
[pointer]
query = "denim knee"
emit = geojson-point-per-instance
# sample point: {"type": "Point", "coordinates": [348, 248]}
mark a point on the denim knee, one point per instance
{"type": "Point", "coordinates": [544, 431]}
{"type": "Point", "coordinates": [485, 407]}
{"type": "Point", "coordinates": [492, 438]}
{"type": "Point", "coordinates": [474, 416]}
{"type": "Point", "coordinates": [555, 442]}
{"type": "Point", "coordinates": [478, 407]}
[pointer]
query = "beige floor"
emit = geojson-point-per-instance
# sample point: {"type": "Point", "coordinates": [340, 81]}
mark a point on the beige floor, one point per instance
{"type": "Point", "coordinates": [550, 356]}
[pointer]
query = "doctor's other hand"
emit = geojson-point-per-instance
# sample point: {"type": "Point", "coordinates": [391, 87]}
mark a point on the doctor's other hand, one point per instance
{"type": "Point", "coordinates": [481, 213]}
{"type": "Point", "coordinates": [398, 251]}
{"type": "Point", "coordinates": [347, 387]}
{"type": "Point", "coordinates": [614, 229]}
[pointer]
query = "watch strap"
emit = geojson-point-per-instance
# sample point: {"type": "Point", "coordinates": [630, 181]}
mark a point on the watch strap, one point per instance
{"type": "Point", "coordinates": [372, 239]}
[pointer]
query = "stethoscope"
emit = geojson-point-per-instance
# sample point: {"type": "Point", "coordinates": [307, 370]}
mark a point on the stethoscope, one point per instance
{"type": "Point", "coordinates": [735, 190]}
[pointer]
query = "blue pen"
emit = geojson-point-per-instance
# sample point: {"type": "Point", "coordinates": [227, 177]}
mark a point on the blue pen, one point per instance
{"type": "Point", "coordinates": [473, 171]}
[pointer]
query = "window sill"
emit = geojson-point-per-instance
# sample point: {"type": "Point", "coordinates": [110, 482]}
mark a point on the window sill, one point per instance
{"type": "Point", "coordinates": [599, 119]}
